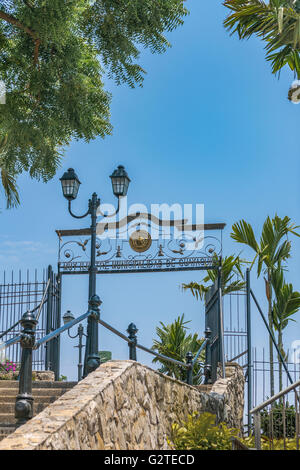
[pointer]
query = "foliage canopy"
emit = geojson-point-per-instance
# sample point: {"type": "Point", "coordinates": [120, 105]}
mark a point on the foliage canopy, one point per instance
{"type": "Point", "coordinates": [276, 22]}
{"type": "Point", "coordinates": [53, 55]}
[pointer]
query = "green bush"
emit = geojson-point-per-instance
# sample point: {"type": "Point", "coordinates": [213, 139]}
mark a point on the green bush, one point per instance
{"type": "Point", "coordinates": [272, 421]}
{"type": "Point", "coordinates": [271, 444]}
{"type": "Point", "coordinates": [200, 431]}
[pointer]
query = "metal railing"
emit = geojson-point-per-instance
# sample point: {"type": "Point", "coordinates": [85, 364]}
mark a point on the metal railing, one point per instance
{"type": "Point", "coordinates": [277, 421]}
{"type": "Point", "coordinates": [238, 445]}
{"type": "Point", "coordinates": [190, 363]}
{"type": "Point", "coordinates": [28, 342]}
{"type": "Point", "coordinates": [38, 307]}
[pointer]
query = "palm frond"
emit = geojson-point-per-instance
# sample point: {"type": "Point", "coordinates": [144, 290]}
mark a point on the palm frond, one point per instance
{"type": "Point", "coordinates": [277, 23]}
{"type": "Point", "coordinates": [10, 188]}
{"type": "Point", "coordinates": [242, 232]}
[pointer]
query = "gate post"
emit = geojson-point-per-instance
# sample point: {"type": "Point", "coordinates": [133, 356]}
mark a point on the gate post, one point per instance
{"type": "Point", "coordinates": [24, 400]}
{"type": "Point", "coordinates": [207, 366]}
{"type": "Point", "coordinates": [221, 321]}
{"type": "Point", "coordinates": [189, 372]}
{"type": "Point", "coordinates": [48, 346]}
{"type": "Point", "coordinates": [55, 349]}
{"type": "Point", "coordinates": [249, 346]}
{"type": "Point", "coordinates": [132, 331]}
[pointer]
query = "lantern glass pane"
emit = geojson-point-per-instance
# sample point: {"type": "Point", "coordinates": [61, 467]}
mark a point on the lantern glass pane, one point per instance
{"type": "Point", "coordinates": [70, 188]}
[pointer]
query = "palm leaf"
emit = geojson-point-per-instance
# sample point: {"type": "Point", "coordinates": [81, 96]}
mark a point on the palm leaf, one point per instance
{"type": "Point", "coordinates": [242, 232]}
{"type": "Point", "coordinates": [10, 188]}
{"type": "Point", "coordinates": [276, 23]}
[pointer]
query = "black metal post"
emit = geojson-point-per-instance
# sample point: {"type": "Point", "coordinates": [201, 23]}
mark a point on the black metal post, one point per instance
{"type": "Point", "coordinates": [24, 400]}
{"type": "Point", "coordinates": [49, 346]}
{"type": "Point", "coordinates": [56, 355]}
{"type": "Point", "coordinates": [92, 358]}
{"type": "Point", "coordinates": [80, 335]}
{"type": "Point", "coordinates": [207, 367]}
{"type": "Point", "coordinates": [189, 372]}
{"type": "Point", "coordinates": [249, 348]}
{"type": "Point", "coordinates": [92, 341]}
{"type": "Point", "coordinates": [132, 331]}
{"type": "Point", "coordinates": [221, 322]}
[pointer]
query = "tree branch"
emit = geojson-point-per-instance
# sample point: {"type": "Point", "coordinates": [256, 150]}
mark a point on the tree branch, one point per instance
{"type": "Point", "coordinates": [15, 22]}
{"type": "Point", "coordinates": [36, 51]}
{"type": "Point", "coordinates": [12, 20]}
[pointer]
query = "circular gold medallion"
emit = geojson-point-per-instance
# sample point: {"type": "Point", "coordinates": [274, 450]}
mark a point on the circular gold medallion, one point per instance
{"type": "Point", "coordinates": [140, 241]}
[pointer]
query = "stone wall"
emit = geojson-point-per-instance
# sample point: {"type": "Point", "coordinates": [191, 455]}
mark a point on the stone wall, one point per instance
{"type": "Point", "coordinates": [231, 393]}
{"type": "Point", "coordinates": [123, 405]}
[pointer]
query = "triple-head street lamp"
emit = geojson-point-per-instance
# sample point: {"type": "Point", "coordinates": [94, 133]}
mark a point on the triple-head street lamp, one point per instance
{"type": "Point", "coordinates": [70, 186]}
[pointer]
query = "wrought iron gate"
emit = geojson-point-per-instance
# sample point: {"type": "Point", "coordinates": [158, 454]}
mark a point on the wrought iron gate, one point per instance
{"type": "Point", "coordinates": [214, 321]}
{"type": "Point", "coordinates": [19, 294]}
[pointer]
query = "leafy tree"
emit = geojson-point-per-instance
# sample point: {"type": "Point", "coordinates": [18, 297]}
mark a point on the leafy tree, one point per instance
{"type": "Point", "coordinates": [276, 22]}
{"type": "Point", "coordinates": [270, 253]}
{"type": "Point", "coordinates": [53, 56]}
{"type": "Point", "coordinates": [285, 306]}
{"type": "Point", "coordinates": [230, 268]}
{"type": "Point", "coordinates": [174, 342]}
{"type": "Point", "coordinates": [8, 183]}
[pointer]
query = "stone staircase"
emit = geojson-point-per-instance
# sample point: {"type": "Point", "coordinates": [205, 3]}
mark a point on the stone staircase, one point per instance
{"type": "Point", "coordinates": [44, 393]}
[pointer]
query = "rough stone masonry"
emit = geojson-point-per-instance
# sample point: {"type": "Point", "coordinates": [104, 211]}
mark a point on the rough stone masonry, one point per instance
{"type": "Point", "coordinates": [126, 405]}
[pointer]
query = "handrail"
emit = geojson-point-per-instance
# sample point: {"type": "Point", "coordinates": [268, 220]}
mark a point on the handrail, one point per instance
{"type": "Point", "coordinates": [200, 351]}
{"type": "Point", "coordinates": [275, 397]}
{"type": "Point", "coordinates": [113, 330]}
{"type": "Point", "coordinates": [237, 357]}
{"type": "Point", "coordinates": [10, 342]}
{"type": "Point", "coordinates": [257, 418]}
{"type": "Point", "coordinates": [150, 351]}
{"type": "Point", "coordinates": [61, 329]}
{"type": "Point", "coordinates": [9, 329]}
{"type": "Point", "coordinates": [165, 358]}
{"type": "Point", "coordinates": [42, 301]}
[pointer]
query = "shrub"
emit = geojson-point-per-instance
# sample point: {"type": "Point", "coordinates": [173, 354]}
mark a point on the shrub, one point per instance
{"type": "Point", "coordinates": [272, 421]}
{"type": "Point", "coordinates": [200, 431]}
{"type": "Point", "coordinates": [268, 444]}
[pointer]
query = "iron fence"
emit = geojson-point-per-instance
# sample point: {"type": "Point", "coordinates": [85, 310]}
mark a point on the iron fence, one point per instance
{"type": "Point", "coordinates": [235, 327]}
{"type": "Point", "coordinates": [261, 376]}
{"type": "Point", "coordinates": [277, 421]}
{"type": "Point", "coordinates": [20, 293]}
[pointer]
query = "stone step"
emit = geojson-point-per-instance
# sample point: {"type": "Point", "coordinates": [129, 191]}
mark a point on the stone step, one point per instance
{"type": "Point", "coordinates": [36, 384]}
{"type": "Point", "coordinates": [204, 388]}
{"type": "Point", "coordinates": [37, 406]}
{"type": "Point", "coordinates": [37, 392]}
{"type": "Point", "coordinates": [6, 431]}
{"type": "Point", "coordinates": [44, 394]}
{"type": "Point", "coordinates": [37, 399]}
{"type": "Point", "coordinates": [7, 418]}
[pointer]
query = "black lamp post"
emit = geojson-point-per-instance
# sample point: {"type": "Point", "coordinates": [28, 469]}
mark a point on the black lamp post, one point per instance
{"type": "Point", "coordinates": [80, 334]}
{"type": "Point", "coordinates": [70, 186]}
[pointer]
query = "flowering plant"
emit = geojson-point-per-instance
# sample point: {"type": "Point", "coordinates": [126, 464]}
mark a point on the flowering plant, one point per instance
{"type": "Point", "coordinates": [8, 370]}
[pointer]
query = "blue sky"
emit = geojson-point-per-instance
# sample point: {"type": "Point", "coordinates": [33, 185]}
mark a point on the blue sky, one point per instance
{"type": "Point", "coordinates": [211, 125]}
